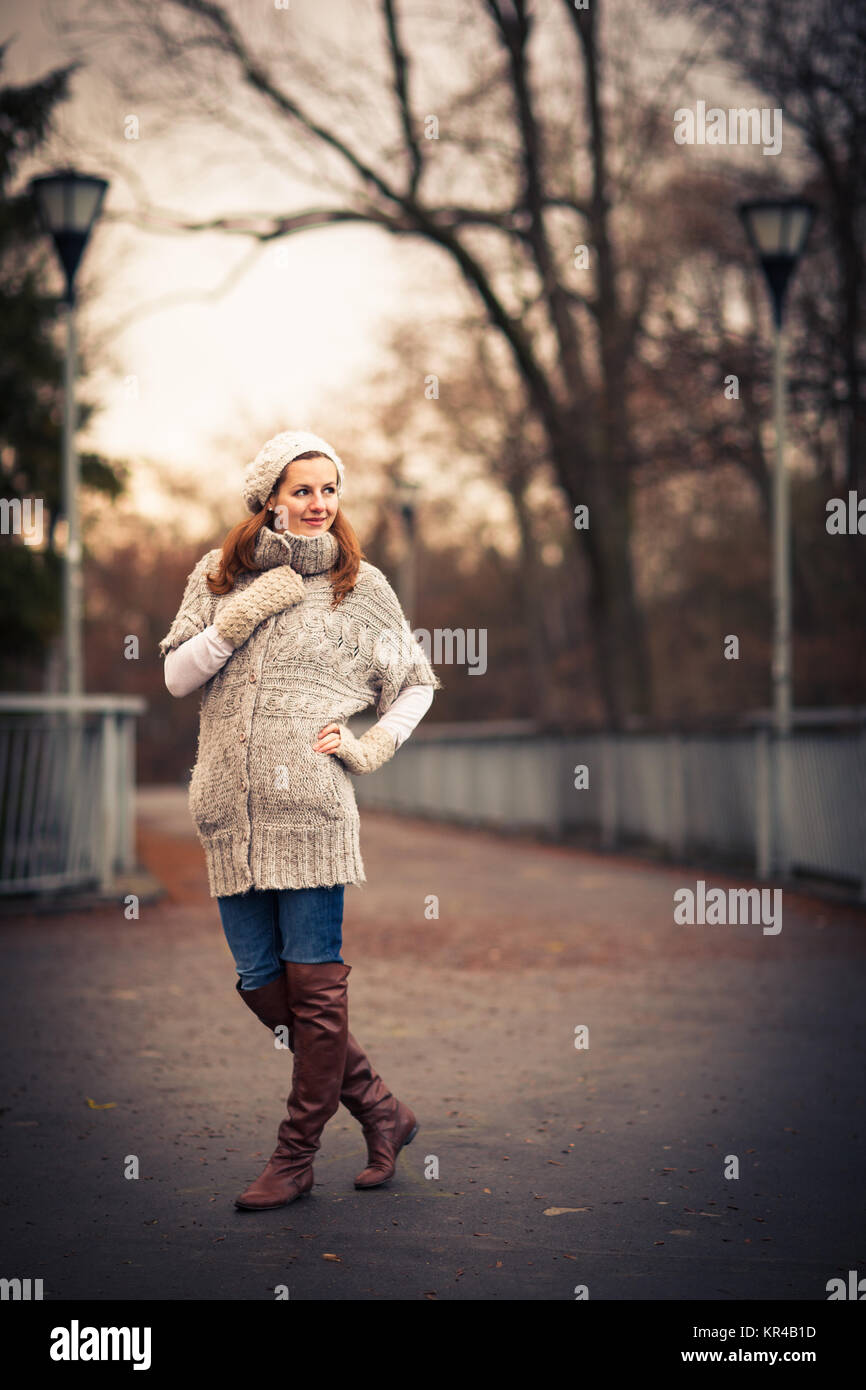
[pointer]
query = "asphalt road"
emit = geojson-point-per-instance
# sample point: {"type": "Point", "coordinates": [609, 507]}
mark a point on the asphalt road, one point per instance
{"type": "Point", "coordinates": [608, 1166]}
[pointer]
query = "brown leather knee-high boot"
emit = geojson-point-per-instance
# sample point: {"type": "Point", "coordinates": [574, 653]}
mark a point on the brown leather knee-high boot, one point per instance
{"type": "Point", "coordinates": [317, 996]}
{"type": "Point", "coordinates": [388, 1124]}
{"type": "Point", "coordinates": [270, 1004]}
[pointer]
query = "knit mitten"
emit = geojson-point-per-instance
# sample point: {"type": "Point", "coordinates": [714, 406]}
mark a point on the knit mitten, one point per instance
{"type": "Point", "coordinates": [270, 592]}
{"type": "Point", "coordinates": [368, 752]}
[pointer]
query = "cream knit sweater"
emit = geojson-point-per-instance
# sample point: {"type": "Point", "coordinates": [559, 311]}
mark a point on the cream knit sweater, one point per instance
{"type": "Point", "coordinates": [200, 657]}
{"type": "Point", "coordinates": [269, 811]}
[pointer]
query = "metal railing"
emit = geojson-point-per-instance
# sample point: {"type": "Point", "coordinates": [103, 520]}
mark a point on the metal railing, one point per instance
{"type": "Point", "coordinates": [67, 780]}
{"type": "Point", "coordinates": [741, 797]}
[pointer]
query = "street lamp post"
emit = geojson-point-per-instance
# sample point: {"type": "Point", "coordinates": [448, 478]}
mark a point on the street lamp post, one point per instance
{"type": "Point", "coordinates": [406, 491]}
{"type": "Point", "coordinates": [67, 205]}
{"type": "Point", "coordinates": [777, 230]}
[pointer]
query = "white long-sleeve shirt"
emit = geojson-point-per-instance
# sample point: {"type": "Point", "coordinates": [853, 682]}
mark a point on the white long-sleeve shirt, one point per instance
{"type": "Point", "coordinates": [192, 663]}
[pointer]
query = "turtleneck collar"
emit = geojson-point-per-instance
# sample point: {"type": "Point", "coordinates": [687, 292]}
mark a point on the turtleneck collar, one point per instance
{"type": "Point", "coordinates": [306, 554]}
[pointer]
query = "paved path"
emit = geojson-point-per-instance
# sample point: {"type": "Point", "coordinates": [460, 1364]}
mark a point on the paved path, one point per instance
{"type": "Point", "coordinates": [557, 1166]}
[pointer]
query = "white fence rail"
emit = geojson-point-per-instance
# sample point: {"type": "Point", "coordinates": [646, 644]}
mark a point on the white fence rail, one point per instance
{"type": "Point", "coordinates": [735, 797]}
{"type": "Point", "coordinates": [67, 779]}
{"type": "Point", "coordinates": [67, 776]}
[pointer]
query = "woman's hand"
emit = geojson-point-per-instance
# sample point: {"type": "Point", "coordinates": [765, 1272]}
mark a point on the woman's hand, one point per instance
{"type": "Point", "coordinates": [269, 593]}
{"type": "Point", "coordinates": [364, 754]}
{"type": "Point", "coordinates": [328, 739]}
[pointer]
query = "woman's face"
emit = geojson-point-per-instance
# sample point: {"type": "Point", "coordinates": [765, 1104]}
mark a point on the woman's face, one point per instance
{"type": "Point", "coordinates": [306, 501]}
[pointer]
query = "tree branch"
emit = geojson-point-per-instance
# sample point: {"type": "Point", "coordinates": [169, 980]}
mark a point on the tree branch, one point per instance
{"type": "Point", "coordinates": [401, 87]}
{"type": "Point", "coordinates": [256, 77]}
{"type": "Point", "coordinates": [514, 30]}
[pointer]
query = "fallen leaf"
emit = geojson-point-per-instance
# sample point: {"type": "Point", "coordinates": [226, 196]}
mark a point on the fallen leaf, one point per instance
{"type": "Point", "coordinates": [560, 1211]}
{"type": "Point", "coordinates": [109, 1104]}
{"type": "Point", "coordinates": [336, 1258]}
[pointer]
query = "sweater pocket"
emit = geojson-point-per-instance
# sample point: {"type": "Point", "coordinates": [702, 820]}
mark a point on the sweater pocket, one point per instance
{"type": "Point", "coordinates": [343, 784]}
{"type": "Point", "coordinates": [218, 787]}
{"type": "Point", "coordinates": [292, 784]}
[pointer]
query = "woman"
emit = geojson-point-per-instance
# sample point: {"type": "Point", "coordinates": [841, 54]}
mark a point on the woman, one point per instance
{"type": "Point", "coordinates": [291, 633]}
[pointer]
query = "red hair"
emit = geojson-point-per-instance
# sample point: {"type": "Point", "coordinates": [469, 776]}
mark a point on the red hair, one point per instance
{"type": "Point", "coordinates": [238, 550]}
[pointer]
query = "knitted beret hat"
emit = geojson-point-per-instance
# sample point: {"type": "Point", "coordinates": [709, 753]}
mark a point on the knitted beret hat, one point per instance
{"type": "Point", "coordinates": [269, 462]}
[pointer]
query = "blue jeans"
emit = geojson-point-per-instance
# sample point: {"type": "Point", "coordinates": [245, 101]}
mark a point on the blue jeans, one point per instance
{"type": "Point", "coordinates": [266, 926]}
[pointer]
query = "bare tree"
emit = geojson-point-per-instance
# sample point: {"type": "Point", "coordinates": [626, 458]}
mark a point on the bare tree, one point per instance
{"type": "Point", "coordinates": [524, 163]}
{"type": "Point", "coordinates": [480, 422]}
{"type": "Point", "coordinates": [810, 57]}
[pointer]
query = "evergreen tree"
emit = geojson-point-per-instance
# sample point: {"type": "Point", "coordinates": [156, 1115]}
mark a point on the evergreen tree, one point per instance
{"type": "Point", "coordinates": [32, 345]}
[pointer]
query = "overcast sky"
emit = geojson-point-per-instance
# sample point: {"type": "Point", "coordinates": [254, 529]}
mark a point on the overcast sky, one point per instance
{"type": "Point", "coordinates": [295, 333]}
{"type": "Point", "coordinates": [198, 379]}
